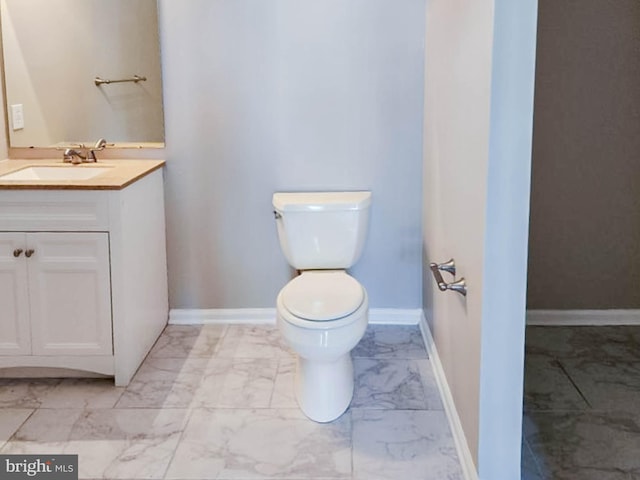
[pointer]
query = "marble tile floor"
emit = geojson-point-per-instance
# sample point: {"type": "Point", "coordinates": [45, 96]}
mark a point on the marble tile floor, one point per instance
{"type": "Point", "coordinates": [582, 403]}
{"type": "Point", "coordinates": [216, 402]}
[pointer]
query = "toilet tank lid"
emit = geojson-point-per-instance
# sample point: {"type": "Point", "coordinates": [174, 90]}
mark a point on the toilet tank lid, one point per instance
{"type": "Point", "coordinates": [320, 201]}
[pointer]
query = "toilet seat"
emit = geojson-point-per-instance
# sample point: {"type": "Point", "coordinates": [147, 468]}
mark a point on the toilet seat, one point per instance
{"type": "Point", "coordinates": [322, 296]}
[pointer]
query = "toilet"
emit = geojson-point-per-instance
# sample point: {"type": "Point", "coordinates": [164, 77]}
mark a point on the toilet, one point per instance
{"type": "Point", "coordinates": [322, 313]}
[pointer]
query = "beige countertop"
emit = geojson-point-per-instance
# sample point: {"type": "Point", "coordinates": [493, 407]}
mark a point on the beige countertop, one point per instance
{"type": "Point", "coordinates": [118, 174]}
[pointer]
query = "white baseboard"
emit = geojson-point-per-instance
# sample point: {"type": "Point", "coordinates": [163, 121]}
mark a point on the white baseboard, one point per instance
{"type": "Point", "coordinates": [202, 316]}
{"type": "Point", "coordinates": [583, 317]}
{"type": "Point", "coordinates": [377, 316]}
{"type": "Point", "coordinates": [395, 316]}
{"type": "Point", "coordinates": [462, 447]}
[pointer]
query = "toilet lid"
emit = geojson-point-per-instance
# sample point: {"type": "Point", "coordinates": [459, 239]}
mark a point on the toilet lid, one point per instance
{"type": "Point", "coordinates": [322, 295]}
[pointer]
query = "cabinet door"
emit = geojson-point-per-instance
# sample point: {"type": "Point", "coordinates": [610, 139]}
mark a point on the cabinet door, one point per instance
{"type": "Point", "coordinates": [14, 303]}
{"type": "Point", "coordinates": [70, 294]}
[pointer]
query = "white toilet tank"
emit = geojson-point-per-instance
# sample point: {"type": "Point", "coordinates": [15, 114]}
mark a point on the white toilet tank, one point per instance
{"type": "Point", "coordinates": [322, 230]}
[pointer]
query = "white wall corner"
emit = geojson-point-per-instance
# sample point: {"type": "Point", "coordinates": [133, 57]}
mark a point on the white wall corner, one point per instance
{"type": "Point", "coordinates": [255, 316]}
{"type": "Point", "coordinates": [462, 447]}
{"type": "Point", "coordinates": [582, 317]}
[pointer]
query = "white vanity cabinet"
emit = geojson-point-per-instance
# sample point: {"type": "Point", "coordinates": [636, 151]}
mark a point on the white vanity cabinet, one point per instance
{"type": "Point", "coordinates": [56, 289]}
{"type": "Point", "coordinates": [83, 281]}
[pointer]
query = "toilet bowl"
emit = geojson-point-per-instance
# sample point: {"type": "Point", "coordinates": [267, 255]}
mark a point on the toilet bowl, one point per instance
{"type": "Point", "coordinates": [322, 315]}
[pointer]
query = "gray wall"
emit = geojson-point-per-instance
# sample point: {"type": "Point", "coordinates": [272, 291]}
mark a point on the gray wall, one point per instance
{"type": "Point", "coordinates": [585, 205]}
{"type": "Point", "coordinates": [287, 95]}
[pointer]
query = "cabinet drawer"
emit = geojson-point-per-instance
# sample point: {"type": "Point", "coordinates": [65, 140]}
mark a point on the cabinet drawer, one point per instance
{"type": "Point", "coordinates": [60, 210]}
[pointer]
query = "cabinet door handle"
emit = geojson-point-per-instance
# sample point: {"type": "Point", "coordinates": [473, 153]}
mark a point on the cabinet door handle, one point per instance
{"type": "Point", "coordinates": [29, 252]}
{"type": "Point", "coordinates": [17, 252]}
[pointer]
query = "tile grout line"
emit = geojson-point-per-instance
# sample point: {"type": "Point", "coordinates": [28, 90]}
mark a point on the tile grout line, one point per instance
{"type": "Point", "coordinates": [190, 411]}
{"type": "Point", "coordinates": [534, 456]}
{"type": "Point", "coordinates": [573, 383]}
{"type": "Point", "coordinates": [191, 407]}
{"type": "Point", "coordinates": [33, 411]}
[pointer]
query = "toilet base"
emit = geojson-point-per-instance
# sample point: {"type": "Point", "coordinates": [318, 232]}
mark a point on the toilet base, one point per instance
{"type": "Point", "coordinates": [324, 389]}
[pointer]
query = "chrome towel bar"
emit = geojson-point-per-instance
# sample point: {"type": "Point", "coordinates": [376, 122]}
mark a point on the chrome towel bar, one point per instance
{"type": "Point", "coordinates": [459, 286]}
{"type": "Point", "coordinates": [135, 79]}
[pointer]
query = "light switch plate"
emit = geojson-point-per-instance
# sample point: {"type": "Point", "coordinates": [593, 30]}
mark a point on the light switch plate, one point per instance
{"type": "Point", "coordinates": [17, 116]}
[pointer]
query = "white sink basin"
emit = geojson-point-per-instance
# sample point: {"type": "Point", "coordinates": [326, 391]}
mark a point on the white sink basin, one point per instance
{"type": "Point", "coordinates": [55, 173]}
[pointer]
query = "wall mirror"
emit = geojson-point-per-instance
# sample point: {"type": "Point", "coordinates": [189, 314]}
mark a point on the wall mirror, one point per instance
{"type": "Point", "coordinates": [78, 70]}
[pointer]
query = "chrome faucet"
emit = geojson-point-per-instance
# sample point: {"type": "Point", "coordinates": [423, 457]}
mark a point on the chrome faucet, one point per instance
{"type": "Point", "coordinates": [83, 154]}
{"type": "Point", "coordinates": [98, 147]}
{"type": "Point", "coordinates": [71, 155]}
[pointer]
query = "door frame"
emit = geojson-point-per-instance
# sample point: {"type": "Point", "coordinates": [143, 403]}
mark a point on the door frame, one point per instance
{"type": "Point", "coordinates": [504, 255]}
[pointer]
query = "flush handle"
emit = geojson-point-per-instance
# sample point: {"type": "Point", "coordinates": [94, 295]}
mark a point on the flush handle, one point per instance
{"type": "Point", "coordinates": [459, 286]}
{"type": "Point", "coordinates": [277, 215]}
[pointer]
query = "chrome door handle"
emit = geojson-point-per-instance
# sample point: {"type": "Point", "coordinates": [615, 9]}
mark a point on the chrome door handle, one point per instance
{"type": "Point", "coordinates": [449, 267]}
{"type": "Point", "coordinates": [459, 286]}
